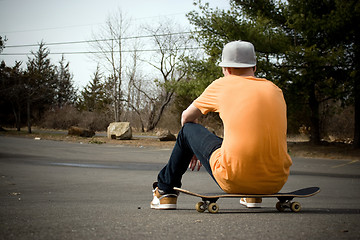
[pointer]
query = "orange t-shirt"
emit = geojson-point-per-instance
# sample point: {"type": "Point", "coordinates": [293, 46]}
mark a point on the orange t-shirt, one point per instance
{"type": "Point", "coordinates": [253, 158]}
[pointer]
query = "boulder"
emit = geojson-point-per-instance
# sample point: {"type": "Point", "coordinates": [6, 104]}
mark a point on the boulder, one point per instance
{"type": "Point", "coordinates": [82, 132]}
{"type": "Point", "coordinates": [119, 130]}
{"type": "Point", "coordinates": [165, 135]}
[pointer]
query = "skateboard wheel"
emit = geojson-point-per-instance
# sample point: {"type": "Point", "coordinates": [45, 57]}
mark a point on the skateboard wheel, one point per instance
{"type": "Point", "coordinates": [280, 207]}
{"type": "Point", "coordinates": [295, 207]}
{"type": "Point", "coordinates": [200, 207]}
{"type": "Point", "coordinates": [213, 208]}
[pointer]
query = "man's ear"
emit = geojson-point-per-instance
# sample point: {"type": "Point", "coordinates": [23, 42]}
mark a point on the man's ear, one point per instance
{"type": "Point", "coordinates": [226, 71]}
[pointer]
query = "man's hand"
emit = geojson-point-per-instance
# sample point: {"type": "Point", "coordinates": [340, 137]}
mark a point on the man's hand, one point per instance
{"type": "Point", "coordinates": [195, 161]}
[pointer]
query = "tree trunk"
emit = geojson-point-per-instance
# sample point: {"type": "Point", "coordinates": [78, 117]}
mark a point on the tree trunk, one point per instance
{"type": "Point", "coordinates": [356, 143]}
{"type": "Point", "coordinates": [17, 114]}
{"type": "Point", "coordinates": [18, 120]}
{"type": "Point", "coordinates": [314, 117]}
{"type": "Point", "coordinates": [28, 113]}
{"type": "Point", "coordinates": [150, 123]}
{"type": "Point", "coordinates": [155, 119]}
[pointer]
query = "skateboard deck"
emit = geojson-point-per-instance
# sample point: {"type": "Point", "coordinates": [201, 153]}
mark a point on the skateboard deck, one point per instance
{"type": "Point", "coordinates": [285, 199]}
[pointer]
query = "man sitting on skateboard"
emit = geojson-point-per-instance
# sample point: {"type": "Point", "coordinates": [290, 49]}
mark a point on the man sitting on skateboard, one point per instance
{"type": "Point", "coordinates": [252, 157]}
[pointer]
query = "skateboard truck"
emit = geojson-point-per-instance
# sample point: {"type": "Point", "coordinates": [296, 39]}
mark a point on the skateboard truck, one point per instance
{"type": "Point", "coordinates": [207, 204]}
{"type": "Point", "coordinates": [286, 202]}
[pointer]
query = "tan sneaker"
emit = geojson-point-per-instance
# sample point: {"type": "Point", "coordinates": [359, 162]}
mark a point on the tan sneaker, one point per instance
{"type": "Point", "coordinates": [251, 202]}
{"type": "Point", "coordinates": [163, 201]}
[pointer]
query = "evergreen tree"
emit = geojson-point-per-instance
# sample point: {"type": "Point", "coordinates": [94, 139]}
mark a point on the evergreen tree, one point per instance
{"type": "Point", "coordinates": [65, 91]}
{"type": "Point", "coordinates": [39, 84]}
{"type": "Point", "coordinates": [2, 43]}
{"type": "Point", "coordinates": [93, 97]}
{"type": "Point", "coordinates": [11, 94]}
{"type": "Point", "coordinates": [295, 45]}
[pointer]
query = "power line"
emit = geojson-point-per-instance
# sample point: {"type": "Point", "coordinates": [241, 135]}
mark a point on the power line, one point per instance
{"type": "Point", "coordinates": [98, 40]}
{"type": "Point", "coordinates": [99, 52]}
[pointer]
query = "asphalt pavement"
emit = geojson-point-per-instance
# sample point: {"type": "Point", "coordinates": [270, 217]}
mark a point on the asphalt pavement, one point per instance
{"type": "Point", "coordinates": [60, 190]}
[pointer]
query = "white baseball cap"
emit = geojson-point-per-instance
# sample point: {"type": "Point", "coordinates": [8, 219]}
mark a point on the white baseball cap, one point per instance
{"type": "Point", "coordinates": [238, 54]}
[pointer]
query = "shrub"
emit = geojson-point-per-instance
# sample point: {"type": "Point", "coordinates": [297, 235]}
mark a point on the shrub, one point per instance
{"type": "Point", "coordinates": [67, 116]}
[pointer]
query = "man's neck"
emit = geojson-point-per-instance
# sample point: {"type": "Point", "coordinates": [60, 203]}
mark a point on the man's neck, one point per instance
{"type": "Point", "coordinates": [242, 72]}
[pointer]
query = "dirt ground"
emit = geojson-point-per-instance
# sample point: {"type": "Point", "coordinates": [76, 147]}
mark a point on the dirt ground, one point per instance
{"type": "Point", "coordinates": [296, 147]}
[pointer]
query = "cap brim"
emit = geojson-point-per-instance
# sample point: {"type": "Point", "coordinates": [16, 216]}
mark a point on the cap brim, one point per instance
{"type": "Point", "coordinates": [237, 65]}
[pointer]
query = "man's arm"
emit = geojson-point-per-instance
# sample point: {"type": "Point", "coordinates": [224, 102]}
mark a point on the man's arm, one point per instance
{"type": "Point", "coordinates": [191, 114]}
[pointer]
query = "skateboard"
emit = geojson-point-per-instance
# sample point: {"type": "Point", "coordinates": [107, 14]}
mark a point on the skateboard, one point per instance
{"type": "Point", "coordinates": [285, 199]}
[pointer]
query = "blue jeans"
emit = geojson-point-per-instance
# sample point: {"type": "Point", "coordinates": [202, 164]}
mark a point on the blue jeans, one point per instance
{"type": "Point", "coordinates": [192, 139]}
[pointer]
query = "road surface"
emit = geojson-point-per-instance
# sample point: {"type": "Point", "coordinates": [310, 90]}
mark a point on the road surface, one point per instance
{"type": "Point", "coordinates": [60, 190]}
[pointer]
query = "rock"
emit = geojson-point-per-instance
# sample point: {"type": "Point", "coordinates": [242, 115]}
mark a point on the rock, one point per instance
{"type": "Point", "coordinates": [82, 132]}
{"type": "Point", "coordinates": [165, 135]}
{"type": "Point", "coordinates": [119, 130]}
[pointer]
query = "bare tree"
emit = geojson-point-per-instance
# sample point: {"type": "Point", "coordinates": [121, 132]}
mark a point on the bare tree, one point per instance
{"type": "Point", "coordinates": [110, 44]}
{"type": "Point", "coordinates": [119, 54]}
{"type": "Point", "coordinates": [173, 45]}
{"type": "Point", "coordinates": [135, 90]}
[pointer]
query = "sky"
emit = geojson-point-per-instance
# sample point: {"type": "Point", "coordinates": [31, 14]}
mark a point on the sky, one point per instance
{"type": "Point", "coordinates": [27, 22]}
